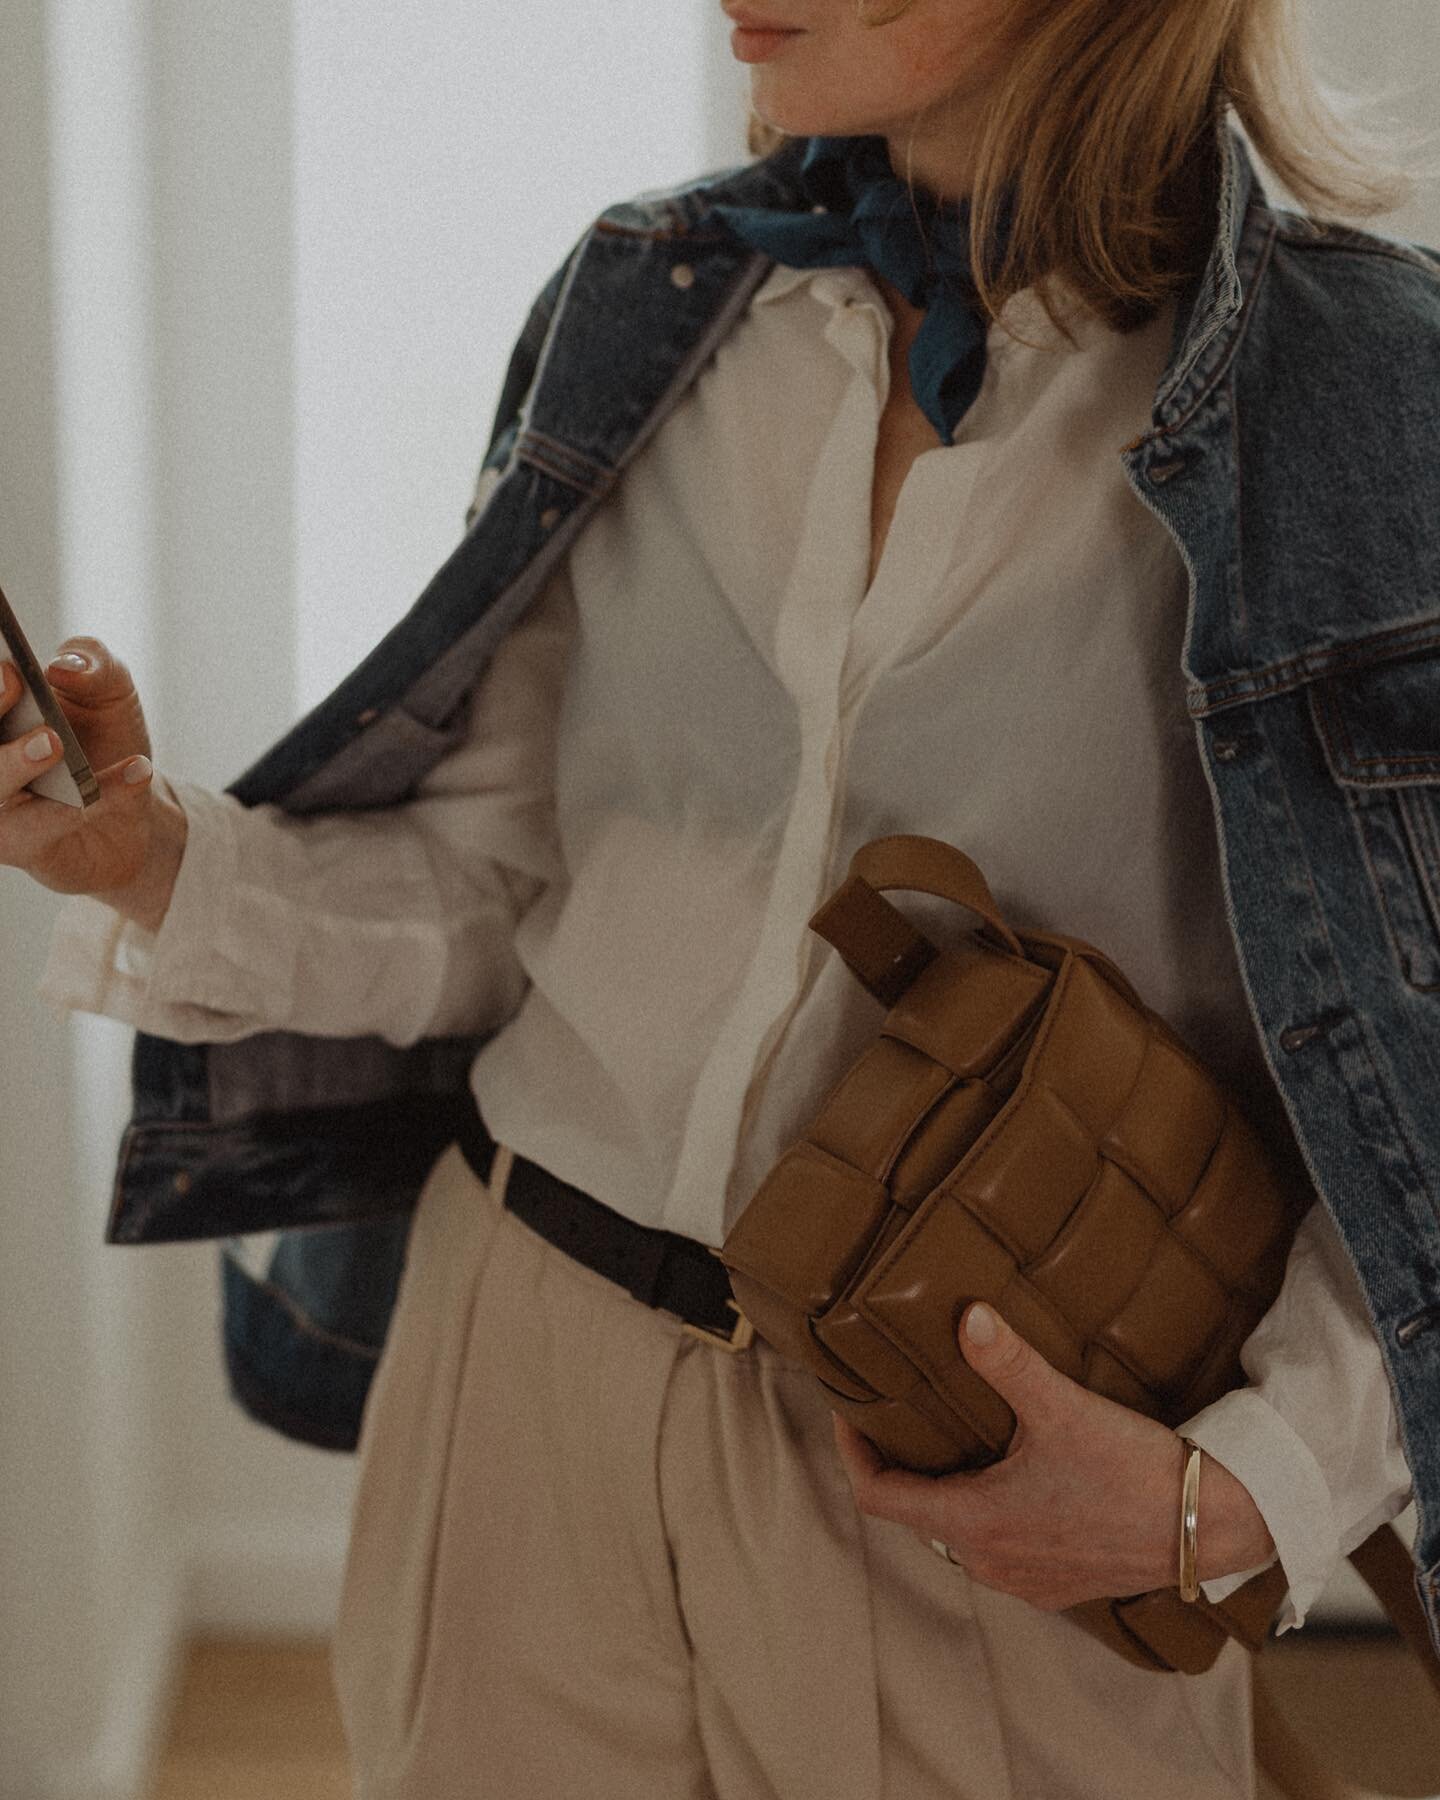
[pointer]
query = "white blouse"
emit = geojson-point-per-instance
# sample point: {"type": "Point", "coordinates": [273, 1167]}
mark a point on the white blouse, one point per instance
{"type": "Point", "coordinates": [674, 755]}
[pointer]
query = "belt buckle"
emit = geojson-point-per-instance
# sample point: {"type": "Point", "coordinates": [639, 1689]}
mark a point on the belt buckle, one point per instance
{"type": "Point", "coordinates": [740, 1336]}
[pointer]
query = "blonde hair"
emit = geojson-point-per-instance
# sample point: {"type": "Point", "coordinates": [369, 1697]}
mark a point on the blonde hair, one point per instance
{"type": "Point", "coordinates": [1104, 119]}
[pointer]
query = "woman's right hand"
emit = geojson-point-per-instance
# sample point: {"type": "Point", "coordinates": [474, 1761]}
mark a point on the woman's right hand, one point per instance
{"type": "Point", "coordinates": [125, 847]}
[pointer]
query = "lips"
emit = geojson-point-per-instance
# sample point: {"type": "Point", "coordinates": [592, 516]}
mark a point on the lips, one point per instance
{"type": "Point", "coordinates": [750, 44]}
{"type": "Point", "coordinates": [757, 39]}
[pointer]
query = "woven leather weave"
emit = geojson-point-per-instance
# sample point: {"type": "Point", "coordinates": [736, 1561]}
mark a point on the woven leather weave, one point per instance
{"type": "Point", "coordinates": [1026, 1131]}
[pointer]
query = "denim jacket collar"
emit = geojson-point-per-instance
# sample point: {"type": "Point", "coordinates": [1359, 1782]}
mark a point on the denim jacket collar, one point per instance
{"type": "Point", "coordinates": [1207, 319]}
{"type": "Point", "coordinates": [1209, 310]}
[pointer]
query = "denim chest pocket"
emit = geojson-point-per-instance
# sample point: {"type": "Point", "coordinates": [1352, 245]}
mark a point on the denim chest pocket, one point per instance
{"type": "Point", "coordinates": [1380, 728]}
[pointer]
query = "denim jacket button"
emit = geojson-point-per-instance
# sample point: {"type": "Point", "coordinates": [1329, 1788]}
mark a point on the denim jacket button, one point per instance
{"type": "Point", "coordinates": [1298, 1036]}
{"type": "Point", "coordinates": [1410, 1329]}
{"type": "Point", "coordinates": [683, 275]}
{"type": "Point", "coordinates": [1161, 472]}
{"type": "Point", "coordinates": [1226, 749]}
{"type": "Point", "coordinates": [550, 518]}
{"type": "Point", "coordinates": [183, 1182]}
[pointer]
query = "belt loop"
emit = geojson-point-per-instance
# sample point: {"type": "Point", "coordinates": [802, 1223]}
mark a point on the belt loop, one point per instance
{"type": "Point", "coordinates": [500, 1173]}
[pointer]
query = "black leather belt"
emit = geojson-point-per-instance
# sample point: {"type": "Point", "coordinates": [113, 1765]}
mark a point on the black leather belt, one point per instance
{"type": "Point", "coordinates": [659, 1268]}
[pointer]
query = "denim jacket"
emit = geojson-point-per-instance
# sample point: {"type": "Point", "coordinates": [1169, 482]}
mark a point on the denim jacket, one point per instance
{"type": "Point", "coordinates": [1291, 455]}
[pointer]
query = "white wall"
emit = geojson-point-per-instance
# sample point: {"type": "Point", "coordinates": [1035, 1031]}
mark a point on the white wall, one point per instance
{"type": "Point", "coordinates": [437, 187]}
{"type": "Point", "coordinates": [1387, 54]}
{"type": "Point", "coordinates": [260, 268]}
{"type": "Point", "coordinates": [91, 1588]}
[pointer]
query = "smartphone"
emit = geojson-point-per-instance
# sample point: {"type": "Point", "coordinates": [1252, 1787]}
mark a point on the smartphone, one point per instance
{"type": "Point", "coordinates": [72, 782]}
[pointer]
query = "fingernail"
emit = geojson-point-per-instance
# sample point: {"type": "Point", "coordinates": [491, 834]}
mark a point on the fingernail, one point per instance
{"type": "Point", "coordinates": [980, 1325]}
{"type": "Point", "coordinates": [72, 659]}
{"type": "Point", "coordinates": [40, 746]}
{"type": "Point", "coordinates": [137, 770]}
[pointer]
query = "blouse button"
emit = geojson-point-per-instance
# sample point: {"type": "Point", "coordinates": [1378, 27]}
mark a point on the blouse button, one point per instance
{"type": "Point", "coordinates": [683, 275]}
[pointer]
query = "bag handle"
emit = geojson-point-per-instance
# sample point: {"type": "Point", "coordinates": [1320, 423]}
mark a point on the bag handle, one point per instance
{"type": "Point", "coordinates": [878, 943]}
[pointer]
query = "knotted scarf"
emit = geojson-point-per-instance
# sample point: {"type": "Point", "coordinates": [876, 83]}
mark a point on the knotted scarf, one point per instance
{"type": "Point", "coordinates": [865, 215]}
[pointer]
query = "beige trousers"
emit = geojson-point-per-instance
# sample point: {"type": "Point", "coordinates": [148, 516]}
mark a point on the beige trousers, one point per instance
{"type": "Point", "coordinates": [592, 1555]}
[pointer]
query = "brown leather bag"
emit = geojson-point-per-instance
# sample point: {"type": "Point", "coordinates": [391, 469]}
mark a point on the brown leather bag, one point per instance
{"type": "Point", "coordinates": [1025, 1130]}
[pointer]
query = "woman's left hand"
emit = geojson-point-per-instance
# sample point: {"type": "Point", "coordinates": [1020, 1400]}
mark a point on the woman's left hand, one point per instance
{"type": "Point", "coordinates": [1085, 1503]}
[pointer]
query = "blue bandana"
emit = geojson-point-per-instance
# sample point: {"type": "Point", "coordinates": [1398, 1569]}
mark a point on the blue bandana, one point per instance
{"type": "Point", "coordinates": [919, 243]}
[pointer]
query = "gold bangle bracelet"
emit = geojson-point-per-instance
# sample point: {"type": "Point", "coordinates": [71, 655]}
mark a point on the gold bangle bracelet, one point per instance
{"type": "Point", "coordinates": [1189, 1522]}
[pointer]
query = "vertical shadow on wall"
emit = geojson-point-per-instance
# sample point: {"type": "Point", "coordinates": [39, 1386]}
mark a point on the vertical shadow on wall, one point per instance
{"type": "Point", "coordinates": [224, 259]}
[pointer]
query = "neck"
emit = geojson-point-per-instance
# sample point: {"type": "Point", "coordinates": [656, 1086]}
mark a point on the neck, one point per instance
{"type": "Point", "coordinates": [936, 151]}
{"type": "Point", "coordinates": [908, 320]}
{"type": "Point", "coordinates": [937, 175]}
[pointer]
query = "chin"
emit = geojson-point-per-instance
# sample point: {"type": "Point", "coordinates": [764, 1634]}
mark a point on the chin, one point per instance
{"type": "Point", "coordinates": [804, 115]}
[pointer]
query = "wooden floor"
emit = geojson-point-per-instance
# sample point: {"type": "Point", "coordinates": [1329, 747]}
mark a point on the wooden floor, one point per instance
{"type": "Point", "coordinates": [257, 1721]}
{"type": "Point", "coordinates": [254, 1721]}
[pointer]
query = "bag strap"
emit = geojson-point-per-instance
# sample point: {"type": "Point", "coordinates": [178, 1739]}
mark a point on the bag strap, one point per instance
{"type": "Point", "coordinates": [1163, 1623]}
{"type": "Point", "coordinates": [1386, 1565]}
{"type": "Point", "coordinates": [878, 943]}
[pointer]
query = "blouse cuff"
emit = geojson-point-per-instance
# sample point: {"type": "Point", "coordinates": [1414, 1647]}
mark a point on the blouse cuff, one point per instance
{"type": "Point", "coordinates": [205, 952]}
{"type": "Point", "coordinates": [199, 969]}
{"type": "Point", "coordinates": [80, 972]}
{"type": "Point", "coordinates": [1245, 1434]}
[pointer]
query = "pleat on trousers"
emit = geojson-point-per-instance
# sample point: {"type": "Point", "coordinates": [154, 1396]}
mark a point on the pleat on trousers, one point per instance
{"type": "Point", "coordinates": [592, 1554]}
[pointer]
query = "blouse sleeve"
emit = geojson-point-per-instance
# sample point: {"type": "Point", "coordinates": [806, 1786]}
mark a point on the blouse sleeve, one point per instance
{"type": "Point", "coordinates": [397, 921]}
{"type": "Point", "coordinates": [1314, 1436]}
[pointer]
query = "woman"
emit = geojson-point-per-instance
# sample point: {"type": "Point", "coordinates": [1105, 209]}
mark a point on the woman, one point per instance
{"type": "Point", "coordinates": [589, 1543]}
